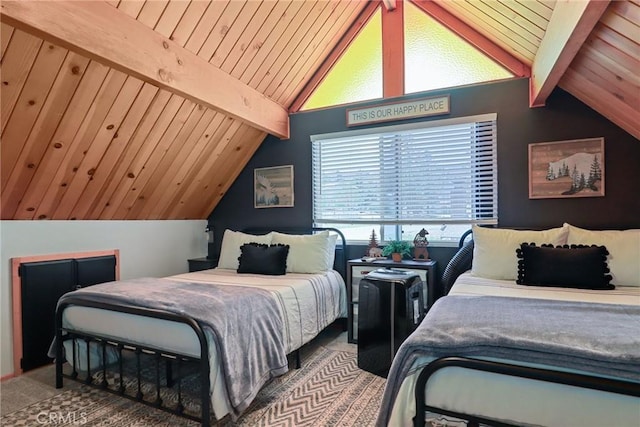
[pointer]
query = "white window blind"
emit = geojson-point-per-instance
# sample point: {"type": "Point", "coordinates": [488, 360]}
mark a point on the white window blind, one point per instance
{"type": "Point", "coordinates": [444, 172]}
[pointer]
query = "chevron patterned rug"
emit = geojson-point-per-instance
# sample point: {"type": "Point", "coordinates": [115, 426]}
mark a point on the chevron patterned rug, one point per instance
{"type": "Point", "coordinates": [329, 390]}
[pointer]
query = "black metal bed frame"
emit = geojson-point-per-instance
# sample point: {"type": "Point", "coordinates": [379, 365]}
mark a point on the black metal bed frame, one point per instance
{"type": "Point", "coordinates": [559, 377]}
{"type": "Point", "coordinates": [65, 333]}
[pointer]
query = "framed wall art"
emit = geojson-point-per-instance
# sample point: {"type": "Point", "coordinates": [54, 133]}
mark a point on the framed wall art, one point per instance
{"type": "Point", "coordinates": [273, 187]}
{"type": "Point", "coordinates": [566, 169]}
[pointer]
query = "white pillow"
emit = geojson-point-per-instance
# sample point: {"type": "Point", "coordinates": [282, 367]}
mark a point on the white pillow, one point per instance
{"type": "Point", "coordinates": [494, 249]}
{"type": "Point", "coordinates": [623, 247]}
{"type": "Point", "coordinates": [231, 242]}
{"type": "Point", "coordinates": [312, 253]}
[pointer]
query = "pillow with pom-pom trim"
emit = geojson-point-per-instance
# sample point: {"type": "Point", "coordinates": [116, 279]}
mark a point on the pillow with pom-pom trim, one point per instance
{"type": "Point", "coordinates": [575, 266]}
{"type": "Point", "coordinates": [259, 258]}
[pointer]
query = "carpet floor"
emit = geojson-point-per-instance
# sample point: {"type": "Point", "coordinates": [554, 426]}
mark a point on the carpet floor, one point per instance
{"type": "Point", "coordinates": [329, 390]}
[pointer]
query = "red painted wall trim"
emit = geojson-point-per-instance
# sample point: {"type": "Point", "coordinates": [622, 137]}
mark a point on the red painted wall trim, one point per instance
{"type": "Point", "coordinates": [393, 51]}
{"type": "Point", "coordinates": [6, 377]}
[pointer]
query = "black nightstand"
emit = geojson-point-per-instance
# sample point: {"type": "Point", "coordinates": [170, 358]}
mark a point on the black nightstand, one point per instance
{"type": "Point", "coordinates": [197, 264]}
{"type": "Point", "coordinates": [357, 269]}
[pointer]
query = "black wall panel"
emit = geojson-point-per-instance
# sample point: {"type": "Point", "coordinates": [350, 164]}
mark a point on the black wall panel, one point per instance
{"type": "Point", "coordinates": [94, 270]}
{"type": "Point", "coordinates": [42, 284]}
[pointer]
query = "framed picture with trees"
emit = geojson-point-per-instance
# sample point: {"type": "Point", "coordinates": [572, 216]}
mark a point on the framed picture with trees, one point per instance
{"type": "Point", "coordinates": [573, 168]}
{"type": "Point", "coordinates": [273, 187]}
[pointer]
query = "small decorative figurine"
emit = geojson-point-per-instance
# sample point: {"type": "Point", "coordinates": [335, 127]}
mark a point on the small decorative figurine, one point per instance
{"type": "Point", "coordinates": [420, 244]}
{"type": "Point", "coordinates": [373, 250]}
{"type": "Point", "coordinates": [375, 253]}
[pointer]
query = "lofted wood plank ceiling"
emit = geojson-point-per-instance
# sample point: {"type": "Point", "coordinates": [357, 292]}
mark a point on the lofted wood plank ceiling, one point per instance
{"type": "Point", "coordinates": [85, 140]}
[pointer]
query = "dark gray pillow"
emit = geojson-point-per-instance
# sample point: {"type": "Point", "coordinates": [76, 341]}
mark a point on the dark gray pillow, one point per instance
{"type": "Point", "coordinates": [259, 258]}
{"type": "Point", "coordinates": [575, 266]}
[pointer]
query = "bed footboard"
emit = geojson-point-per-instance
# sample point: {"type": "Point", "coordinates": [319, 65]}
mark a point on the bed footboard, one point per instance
{"type": "Point", "coordinates": [63, 334]}
{"type": "Point", "coordinates": [572, 379]}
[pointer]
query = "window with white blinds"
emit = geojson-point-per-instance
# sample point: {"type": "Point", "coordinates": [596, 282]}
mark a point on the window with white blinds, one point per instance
{"type": "Point", "coordinates": [440, 172]}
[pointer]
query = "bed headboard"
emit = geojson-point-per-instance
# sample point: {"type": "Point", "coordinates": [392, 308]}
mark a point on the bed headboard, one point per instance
{"type": "Point", "coordinates": [340, 261]}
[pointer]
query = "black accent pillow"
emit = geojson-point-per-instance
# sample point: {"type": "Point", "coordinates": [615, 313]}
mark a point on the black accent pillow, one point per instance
{"type": "Point", "coordinates": [575, 266]}
{"type": "Point", "coordinates": [259, 258]}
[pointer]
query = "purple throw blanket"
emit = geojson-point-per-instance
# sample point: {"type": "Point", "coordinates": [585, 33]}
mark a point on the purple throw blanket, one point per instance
{"type": "Point", "coordinates": [245, 322]}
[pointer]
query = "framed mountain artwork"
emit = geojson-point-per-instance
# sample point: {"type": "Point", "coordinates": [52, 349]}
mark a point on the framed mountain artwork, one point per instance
{"type": "Point", "coordinates": [566, 169]}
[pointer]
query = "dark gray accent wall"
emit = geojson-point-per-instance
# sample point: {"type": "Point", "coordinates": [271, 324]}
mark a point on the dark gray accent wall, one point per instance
{"type": "Point", "coordinates": [563, 118]}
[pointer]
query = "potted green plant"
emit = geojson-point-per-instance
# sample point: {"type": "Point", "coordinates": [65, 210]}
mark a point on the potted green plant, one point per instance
{"type": "Point", "coordinates": [398, 249]}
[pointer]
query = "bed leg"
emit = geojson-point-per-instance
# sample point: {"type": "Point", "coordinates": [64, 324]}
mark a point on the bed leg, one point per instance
{"type": "Point", "coordinates": [297, 354]}
{"type": "Point", "coordinates": [58, 358]}
{"type": "Point", "coordinates": [58, 373]}
{"type": "Point", "coordinates": [204, 390]}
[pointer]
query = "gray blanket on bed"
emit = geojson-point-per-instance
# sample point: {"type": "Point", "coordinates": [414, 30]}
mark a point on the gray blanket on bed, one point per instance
{"type": "Point", "coordinates": [602, 339]}
{"type": "Point", "coordinates": [245, 322]}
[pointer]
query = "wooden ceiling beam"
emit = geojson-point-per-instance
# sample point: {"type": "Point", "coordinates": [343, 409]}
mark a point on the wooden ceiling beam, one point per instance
{"type": "Point", "coordinates": [570, 24]}
{"type": "Point", "coordinates": [105, 34]}
{"type": "Point", "coordinates": [393, 51]}
{"type": "Point", "coordinates": [390, 4]}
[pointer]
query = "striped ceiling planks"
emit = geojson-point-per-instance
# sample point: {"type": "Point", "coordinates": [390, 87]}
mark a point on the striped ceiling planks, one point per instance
{"type": "Point", "coordinates": [48, 121]}
{"type": "Point", "coordinates": [308, 64]}
{"type": "Point", "coordinates": [6, 31]}
{"type": "Point", "coordinates": [604, 74]}
{"type": "Point", "coordinates": [118, 148]}
{"type": "Point", "coordinates": [517, 27]}
{"type": "Point", "coordinates": [19, 58]}
{"type": "Point", "coordinates": [83, 141]}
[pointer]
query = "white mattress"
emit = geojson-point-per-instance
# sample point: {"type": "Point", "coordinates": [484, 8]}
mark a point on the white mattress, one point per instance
{"type": "Point", "coordinates": [308, 303]}
{"type": "Point", "coordinates": [523, 402]}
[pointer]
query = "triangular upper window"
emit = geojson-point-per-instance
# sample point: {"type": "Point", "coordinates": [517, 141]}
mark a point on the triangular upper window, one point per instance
{"type": "Point", "coordinates": [357, 74]}
{"type": "Point", "coordinates": [434, 58]}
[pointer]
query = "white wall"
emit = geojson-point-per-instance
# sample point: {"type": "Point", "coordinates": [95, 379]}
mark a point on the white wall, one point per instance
{"type": "Point", "coordinates": [147, 248]}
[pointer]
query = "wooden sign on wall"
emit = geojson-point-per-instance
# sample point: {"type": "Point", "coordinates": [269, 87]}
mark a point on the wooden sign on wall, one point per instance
{"type": "Point", "coordinates": [398, 111]}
